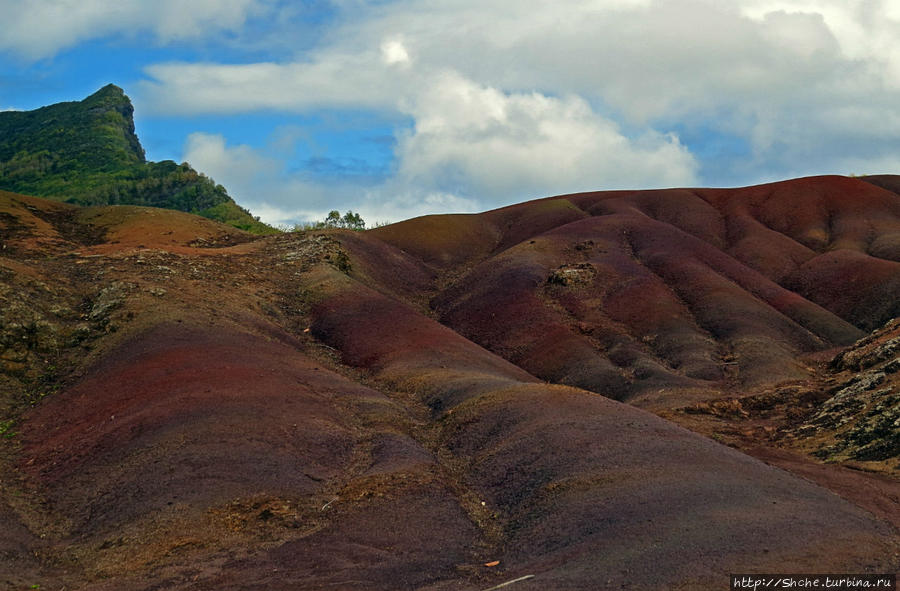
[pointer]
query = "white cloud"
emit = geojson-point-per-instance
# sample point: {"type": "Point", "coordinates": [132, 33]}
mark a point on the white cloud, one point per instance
{"type": "Point", "coordinates": [867, 31]}
{"type": "Point", "coordinates": [40, 28]}
{"type": "Point", "coordinates": [513, 100]}
{"type": "Point", "coordinates": [647, 60]}
{"type": "Point", "coordinates": [260, 182]}
{"type": "Point", "coordinates": [472, 148]}
{"type": "Point", "coordinates": [390, 204]}
{"type": "Point", "coordinates": [341, 81]}
{"type": "Point", "coordinates": [496, 146]}
{"type": "Point", "coordinates": [240, 163]}
{"type": "Point", "coordinates": [253, 179]}
{"type": "Point", "coordinates": [394, 52]}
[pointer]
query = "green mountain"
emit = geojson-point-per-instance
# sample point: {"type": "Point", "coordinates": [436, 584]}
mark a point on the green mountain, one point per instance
{"type": "Point", "coordinates": [87, 153]}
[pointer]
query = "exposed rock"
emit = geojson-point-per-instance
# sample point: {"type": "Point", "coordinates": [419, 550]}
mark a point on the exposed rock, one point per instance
{"type": "Point", "coordinates": [309, 250]}
{"type": "Point", "coordinates": [577, 274]}
{"type": "Point", "coordinates": [861, 420]}
{"type": "Point", "coordinates": [109, 298]}
{"type": "Point", "coordinates": [861, 355]}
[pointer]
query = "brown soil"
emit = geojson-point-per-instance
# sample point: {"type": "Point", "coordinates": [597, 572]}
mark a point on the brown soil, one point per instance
{"type": "Point", "coordinates": [188, 407]}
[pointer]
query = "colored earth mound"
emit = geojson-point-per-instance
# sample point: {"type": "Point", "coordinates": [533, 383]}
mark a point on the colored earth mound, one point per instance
{"type": "Point", "coordinates": [454, 402]}
{"type": "Point", "coordinates": [648, 296]}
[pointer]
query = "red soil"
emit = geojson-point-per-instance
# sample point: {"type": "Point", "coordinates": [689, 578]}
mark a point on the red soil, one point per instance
{"type": "Point", "coordinates": [372, 411]}
{"type": "Point", "coordinates": [687, 287]}
{"type": "Point", "coordinates": [585, 489]}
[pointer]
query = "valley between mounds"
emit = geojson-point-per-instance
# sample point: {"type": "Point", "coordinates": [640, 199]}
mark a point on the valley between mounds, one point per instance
{"type": "Point", "coordinates": [192, 407]}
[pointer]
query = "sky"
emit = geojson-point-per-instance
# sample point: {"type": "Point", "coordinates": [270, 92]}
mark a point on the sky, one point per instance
{"type": "Point", "coordinates": [399, 108]}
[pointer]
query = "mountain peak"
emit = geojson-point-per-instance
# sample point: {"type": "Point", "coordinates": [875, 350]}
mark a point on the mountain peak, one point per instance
{"type": "Point", "coordinates": [96, 133]}
{"type": "Point", "coordinates": [112, 109]}
{"type": "Point", "coordinates": [87, 152]}
{"type": "Point", "coordinates": [108, 91]}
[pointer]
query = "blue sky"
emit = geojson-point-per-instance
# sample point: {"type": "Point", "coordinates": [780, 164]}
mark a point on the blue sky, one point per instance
{"type": "Point", "coordinates": [408, 107]}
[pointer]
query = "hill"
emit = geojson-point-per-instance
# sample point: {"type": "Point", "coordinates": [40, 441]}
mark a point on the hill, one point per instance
{"type": "Point", "coordinates": [624, 293]}
{"type": "Point", "coordinates": [87, 153]}
{"type": "Point", "coordinates": [186, 406]}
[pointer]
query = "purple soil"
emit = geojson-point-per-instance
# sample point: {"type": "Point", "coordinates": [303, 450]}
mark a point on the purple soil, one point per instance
{"type": "Point", "coordinates": [388, 450]}
{"type": "Point", "coordinates": [189, 419]}
{"type": "Point", "coordinates": [588, 490]}
{"type": "Point", "coordinates": [189, 416]}
{"type": "Point", "coordinates": [876, 493]}
{"type": "Point", "coordinates": [684, 288]}
{"type": "Point", "coordinates": [19, 567]}
{"type": "Point", "coordinates": [386, 268]}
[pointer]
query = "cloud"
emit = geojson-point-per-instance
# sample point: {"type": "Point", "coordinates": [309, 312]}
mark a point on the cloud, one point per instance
{"type": "Point", "coordinates": [749, 65]}
{"type": "Point", "coordinates": [472, 147]}
{"type": "Point", "coordinates": [263, 184]}
{"type": "Point", "coordinates": [239, 162]}
{"type": "Point", "coordinates": [350, 81]}
{"type": "Point", "coordinates": [40, 28]}
{"type": "Point", "coordinates": [509, 101]}
{"type": "Point", "coordinates": [253, 179]}
{"type": "Point", "coordinates": [480, 142]}
{"type": "Point", "coordinates": [393, 52]}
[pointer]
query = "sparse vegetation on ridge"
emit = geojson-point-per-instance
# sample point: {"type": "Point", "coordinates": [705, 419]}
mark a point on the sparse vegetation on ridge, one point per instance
{"type": "Point", "coordinates": [334, 219]}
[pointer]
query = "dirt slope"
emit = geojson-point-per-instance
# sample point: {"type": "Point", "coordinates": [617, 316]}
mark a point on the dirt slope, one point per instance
{"type": "Point", "coordinates": [189, 408]}
{"type": "Point", "coordinates": [628, 293]}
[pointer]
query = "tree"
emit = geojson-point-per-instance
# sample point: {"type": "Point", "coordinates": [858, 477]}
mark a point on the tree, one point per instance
{"type": "Point", "coordinates": [349, 221]}
{"type": "Point", "coordinates": [353, 221]}
{"type": "Point", "coordinates": [334, 219]}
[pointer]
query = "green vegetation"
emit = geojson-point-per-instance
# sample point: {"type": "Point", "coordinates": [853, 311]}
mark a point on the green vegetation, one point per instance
{"type": "Point", "coordinates": [348, 221]}
{"type": "Point", "coordinates": [87, 153]}
{"type": "Point", "coordinates": [6, 427]}
{"type": "Point", "coordinates": [342, 262]}
{"type": "Point", "coordinates": [33, 395]}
